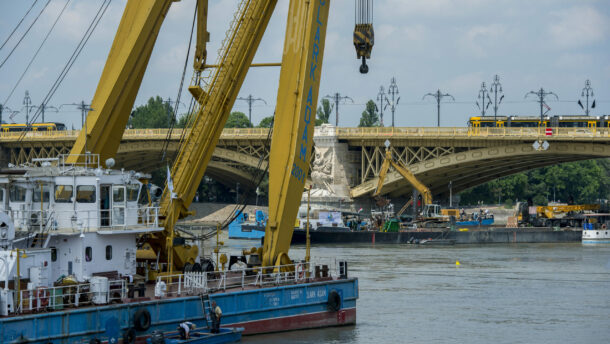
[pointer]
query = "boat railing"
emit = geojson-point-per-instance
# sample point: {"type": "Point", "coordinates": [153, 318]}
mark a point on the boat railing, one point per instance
{"type": "Point", "coordinates": [70, 296]}
{"type": "Point", "coordinates": [205, 282]}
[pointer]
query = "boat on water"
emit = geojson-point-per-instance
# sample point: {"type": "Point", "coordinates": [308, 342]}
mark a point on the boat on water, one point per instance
{"type": "Point", "coordinates": [595, 229]}
{"type": "Point", "coordinates": [68, 270]}
{"type": "Point", "coordinates": [242, 227]}
{"type": "Point", "coordinates": [197, 336]}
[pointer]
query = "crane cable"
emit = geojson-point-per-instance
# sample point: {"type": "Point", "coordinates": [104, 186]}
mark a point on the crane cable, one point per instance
{"type": "Point", "coordinates": [96, 19]}
{"type": "Point", "coordinates": [18, 24]}
{"type": "Point", "coordinates": [36, 54]}
{"type": "Point", "coordinates": [24, 34]}
{"type": "Point", "coordinates": [173, 120]}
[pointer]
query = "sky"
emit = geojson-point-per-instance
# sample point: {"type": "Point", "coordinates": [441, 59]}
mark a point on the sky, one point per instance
{"type": "Point", "coordinates": [426, 45]}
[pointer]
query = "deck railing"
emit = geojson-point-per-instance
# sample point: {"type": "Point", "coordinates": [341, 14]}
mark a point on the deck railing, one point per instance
{"type": "Point", "coordinates": [204, 282]}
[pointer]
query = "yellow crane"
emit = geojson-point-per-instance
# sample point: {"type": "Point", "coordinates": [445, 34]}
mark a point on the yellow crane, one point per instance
{"type": "Point", "coordinates": [292, 138]}
{"type": "Point", "coordinates": [430, 210]}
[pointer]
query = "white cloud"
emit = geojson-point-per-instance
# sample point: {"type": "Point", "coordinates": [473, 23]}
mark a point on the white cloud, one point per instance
{"type": "Point", "coordinates": [478, 40]}
{"type": "Point", "coordinates": [577, 26]}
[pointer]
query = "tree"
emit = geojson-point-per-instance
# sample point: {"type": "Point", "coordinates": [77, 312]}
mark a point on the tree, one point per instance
{"type": "Point", "coordinates": [266, 122]}
{"type": "Point", "coordinates": [183, 121]}
{"type": "Point", "coordinates": [155, 114]}
{"type": "Point", "coordinates": [238, 120]}
{"type": "Point", "coordinates": [324, 111]}
{"type": "Point", "coordinates": [369, 117]}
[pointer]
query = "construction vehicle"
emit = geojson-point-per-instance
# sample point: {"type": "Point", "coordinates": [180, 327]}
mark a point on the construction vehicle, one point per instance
{"type": "Point", "coordinates": [215, 90]}
{"type": "Point", "coordinates": [431, 213]}
{"type": "Point", "coordinates": [553, 215]}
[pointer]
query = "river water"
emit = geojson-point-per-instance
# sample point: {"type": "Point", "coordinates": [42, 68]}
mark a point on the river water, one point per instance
{"type": "Point", "coordinates": [522, 293]}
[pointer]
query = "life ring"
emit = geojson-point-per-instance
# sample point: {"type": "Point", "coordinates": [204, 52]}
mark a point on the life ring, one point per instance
{"type": "Point", "coordinates": [334, 301]}
{"type": "Point", "coordinates": [141, 319]}
{"type": "Point", "coordinates": [129, 337]}
{"type": "Point", "coordinates": [43, 297]}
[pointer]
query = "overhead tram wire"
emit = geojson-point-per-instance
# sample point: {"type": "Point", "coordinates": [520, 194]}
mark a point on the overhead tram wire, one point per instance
{"type": "Point", "coordinates": [18, 24]}
{"type": "Point", "coordinates": [173, 121]}
{"type": "Point", "coordinates": [96, 19]}
{"type": "Point", "coordinates": [24, 34]}
{"type": "Point", "coordinates": [36, 54]}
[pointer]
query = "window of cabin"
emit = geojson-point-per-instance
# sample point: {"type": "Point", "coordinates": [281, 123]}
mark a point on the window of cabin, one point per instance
{"type": "Point", "coordinates": [53, 254]}
{"type": "Point", "coordinates": [108, 252]}
{"type": "Point", "coordinates": [45, 193]}
{"type": "Point", "coordinates": [118, 194]}
{"type": "Point", "coordinates": [85, 193]}
{"type": "Point", "coordinates": [63, 193]}
{"type": "Point", "coordinates": [88, 254]}
{"type": "Point", "coordinates": [132, 192]}
{"type": "Point", "coordinates": [17, 193]}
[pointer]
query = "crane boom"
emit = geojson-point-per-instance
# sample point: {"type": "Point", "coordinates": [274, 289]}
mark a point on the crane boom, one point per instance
{"type": "Point", "coordinates": [121, 78]}
{"type": "Point", "coordinates": [293, 127]}
{"type": "Point", "coordinates": [405, 173]}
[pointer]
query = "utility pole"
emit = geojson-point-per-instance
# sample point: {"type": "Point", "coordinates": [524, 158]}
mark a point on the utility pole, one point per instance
{"type": "Point", "coordinates": [496, 87]}
{"type": "Point", "coordinates": [542, 94]}
{"type": "Point", "coordinates": [337, 97]}
{"type": "Point", "coordinates": [44, 107]}
{"type": "Point", "coordinates": [393, 91]}
{"type": "Point", "coordinates": [483, 97]}
{"type": "Point", "coordinates": [587, 92]}
{"type": "Point", "coordinates": [27, 101]}
{"type": "Point", "coordinates": [250, 100]}
{"type": "Point", "coordinates": [438, 95]}
{"type": "Point", "coordinates": [382, 98]}
{"type": "Point", "coordinates": [83, 108]}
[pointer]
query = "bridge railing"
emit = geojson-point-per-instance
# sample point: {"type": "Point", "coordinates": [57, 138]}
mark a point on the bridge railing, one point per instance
{"type": "Point", "coordinates": [470, 132]}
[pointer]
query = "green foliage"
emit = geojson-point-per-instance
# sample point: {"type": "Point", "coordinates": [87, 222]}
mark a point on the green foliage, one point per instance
{"type": "Point", "coordinates": [183, 121]}
{"type": "Point", "coordinates": [508, 204]}
{"type": "Point", "coordinates": [155, 114]}
{"type": "Point", "coordinates": [323, 113]}
{"type": "Point", "coordinates": [583, 181]}
{"type": "Point", "coordinates": [266, 122]}
{"type": "Point", "coordinates": [370, 117]}
{"type": "Point", "coordinates": [238, 120]}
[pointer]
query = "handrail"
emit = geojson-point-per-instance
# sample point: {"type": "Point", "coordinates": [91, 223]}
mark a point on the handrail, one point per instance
{"type": "Point", "coordinates": [345, 132]}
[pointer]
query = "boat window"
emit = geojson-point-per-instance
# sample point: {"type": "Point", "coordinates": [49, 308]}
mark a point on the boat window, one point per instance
{"type": "Point", "coordinates": [108, 252]}
{"type": "Point", "coordinates": [45, 193]}
{"type": "Point", "coordinates": [88, 254]}
{"type": "Point", "coordinates": [17, 193]}
{"type": "Point", "coordinates": [118, 194]}
{"type": "Point", "coordinates": [53, 254]}
{"type": "Point", "coordinates": [85, 193]}
{"type": "Point", "coordinates": [144, 195]}
{"type": "Point", "coordinates": [132, 192]}
{"type": "Point", "coordinates": [63, 193]}
{"type": "Point", "coordinates": [1, 194]}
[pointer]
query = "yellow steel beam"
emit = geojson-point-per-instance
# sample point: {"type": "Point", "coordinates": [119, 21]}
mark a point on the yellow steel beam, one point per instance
{"type": "Point", "coordinates": [293, 127]}
{"type": "Point", "coordinates": [121, 78]}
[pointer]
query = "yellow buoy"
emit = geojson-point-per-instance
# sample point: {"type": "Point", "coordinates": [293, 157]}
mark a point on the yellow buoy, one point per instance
{"type": "Point", "coordinates": [457, 263]}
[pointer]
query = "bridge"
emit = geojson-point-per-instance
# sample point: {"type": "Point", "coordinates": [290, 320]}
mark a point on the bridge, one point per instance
{"type": "Point", "coordinates": [465, 156]}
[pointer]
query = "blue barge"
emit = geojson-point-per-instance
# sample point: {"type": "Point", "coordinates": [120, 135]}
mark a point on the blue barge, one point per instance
{"type": "Point", "coordinates": [330, 302]}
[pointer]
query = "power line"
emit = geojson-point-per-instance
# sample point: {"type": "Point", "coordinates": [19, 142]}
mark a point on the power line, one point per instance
{"type": "Point", "coordinates": [542, 94]}
{"type": "Point", "coordinates": [250, 100]}
{"type": "Point", "coordinates": [24, 34]}
{"type": "Point", "coordinates": [337, 98]}
{"type": "Point", "coordinates": [586, 92]}
{"type": "Point", "coordinates": [36, 54]}
{"type": "Point", "coordinates": [439, 97]}
{"type": "Point", "coordinates": [18, 24]}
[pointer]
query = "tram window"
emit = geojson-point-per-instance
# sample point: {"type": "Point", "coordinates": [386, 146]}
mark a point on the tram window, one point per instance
{"type": "Point", "coordinates": [488, 124]}
{"type": "Point", "coordinates": [17, 193]}
{"type": "Point", "coordinates": [85, 194]}
{"type": "Point", "coordinates": [45, 194]}
{"type": "Point", "coordinates": [88, 254]}
{"type": "Point", "coordinates": [132, 192]}
{"type": "Point", "coordinates": [109, 252]}
{"type": "Point", "coordinates": [63, 193]}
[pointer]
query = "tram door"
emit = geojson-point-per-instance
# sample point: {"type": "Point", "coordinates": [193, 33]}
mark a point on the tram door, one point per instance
{"type": "Point", "coordinates": [105, 205]}
{"type": "Point", "coordinates": [592, 125]}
